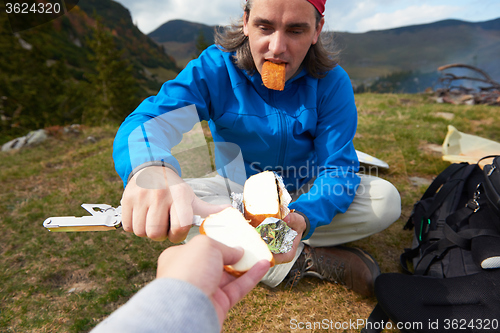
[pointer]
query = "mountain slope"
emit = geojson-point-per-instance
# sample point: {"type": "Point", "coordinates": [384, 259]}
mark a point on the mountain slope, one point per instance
{"type": "Point", "coordinates": [137, 46]}
{"type": "Point", "coordinates": [179, 37]}
{"type": "Point", "coordinates": [67, 37]}
{"type": "Point", "coordinates": [181, 31]}
{"type": "Point", "coordinates": [421, 48]}
{"type": "Point", "coordinates": [367, 56]}
{"type": "Point", "coordinates": [47, 74]}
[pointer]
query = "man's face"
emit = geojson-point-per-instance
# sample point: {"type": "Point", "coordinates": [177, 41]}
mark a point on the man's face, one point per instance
{"type": "Point", "coordinates": [281, 31]}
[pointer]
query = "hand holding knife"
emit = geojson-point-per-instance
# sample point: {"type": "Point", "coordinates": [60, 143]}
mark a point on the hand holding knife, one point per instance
{"type": "Point", "coordinates": [103, 218]}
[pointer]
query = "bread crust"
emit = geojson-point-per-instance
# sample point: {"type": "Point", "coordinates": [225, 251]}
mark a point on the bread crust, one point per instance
{"type": "Point", "coordinates": [228, 268]}
{"type": "Point", "coordinates": [256, 220]}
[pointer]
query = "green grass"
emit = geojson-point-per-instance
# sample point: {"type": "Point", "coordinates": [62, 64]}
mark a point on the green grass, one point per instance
{"type": "Point", "coordinates": [68, 282]}
{"type": "Point", "coordinates": [39, 268]}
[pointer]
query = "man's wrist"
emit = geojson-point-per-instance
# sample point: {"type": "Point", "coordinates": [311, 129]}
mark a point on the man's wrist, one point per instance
{"type": "Point", "coordinates": [308, 224]}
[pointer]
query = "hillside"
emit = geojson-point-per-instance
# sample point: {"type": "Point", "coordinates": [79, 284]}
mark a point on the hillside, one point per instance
{"type": "Point", "coordinates": [367, 56]}
{"type": "Point", "coordinates": [421, 48]}
{"type": "Point", "coordinates": [67, 37]}
{"type": "Point", "coordinates": [48, 73]}
{"type": "Point", "coordinates": [138, 47]}
{"type": "Point", "coordinates": [179, 37]}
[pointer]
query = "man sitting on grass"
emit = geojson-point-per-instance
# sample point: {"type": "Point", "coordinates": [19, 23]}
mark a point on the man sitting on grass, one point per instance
{"type": "Point", "coordinates": [303, 132]}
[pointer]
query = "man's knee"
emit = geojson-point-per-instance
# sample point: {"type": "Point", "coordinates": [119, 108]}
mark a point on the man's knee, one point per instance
{"type": "Point", "coordinates": [387, 203]}
{"type": "Point", "coordinates": [381, 201]}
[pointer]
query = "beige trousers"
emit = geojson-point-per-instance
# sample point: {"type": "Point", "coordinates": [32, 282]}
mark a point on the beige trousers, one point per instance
{"type": "Point", "coordinates": [376, 206]}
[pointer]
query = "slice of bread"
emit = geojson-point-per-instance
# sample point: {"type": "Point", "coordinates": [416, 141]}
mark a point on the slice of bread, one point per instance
{"type": "Point", "coordinates": [229, 227]}
{"type": "Point", "coordinates": [264, 195]}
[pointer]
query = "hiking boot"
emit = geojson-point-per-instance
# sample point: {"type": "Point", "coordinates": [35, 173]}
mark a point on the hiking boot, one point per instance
{"type": "Point", "coordinates": [349, 266]}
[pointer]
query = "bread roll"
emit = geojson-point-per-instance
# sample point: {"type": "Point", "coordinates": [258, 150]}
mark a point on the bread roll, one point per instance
{"type": "Point", "coordinates": [264, 195]}
{"type": "Point", "coordinates": [229, 227]}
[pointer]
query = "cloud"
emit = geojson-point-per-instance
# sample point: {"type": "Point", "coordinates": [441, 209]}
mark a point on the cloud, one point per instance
{"type": "Point", "coordinates": [345, 15]}
{"type": "Point", "coordinates": [406, 16]}
{"type": "Point", "coordinates": [149, 15]}
{"type": "Point", "coordinates": [365, 15]}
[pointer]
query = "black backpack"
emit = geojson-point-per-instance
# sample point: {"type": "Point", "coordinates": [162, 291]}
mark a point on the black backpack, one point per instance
{"type": "Point", "coordinates": [454, 286]}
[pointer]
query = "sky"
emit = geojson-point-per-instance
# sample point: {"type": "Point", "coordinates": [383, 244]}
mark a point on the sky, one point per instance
{"type": "Point", "coordinates": [341, 15]}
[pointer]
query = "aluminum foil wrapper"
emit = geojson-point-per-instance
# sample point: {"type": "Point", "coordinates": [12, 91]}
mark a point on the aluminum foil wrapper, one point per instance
{"type": "Point", "coordinates": [237, 202]}
{"type": "Point", "coordinates": [277, 235]}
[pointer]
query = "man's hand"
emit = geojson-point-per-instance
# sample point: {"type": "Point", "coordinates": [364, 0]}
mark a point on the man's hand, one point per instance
{"type": "Point", "coordinates": [158, 204]}
{"type": "Point", "coordinates": [200, 262]}
{"type": "Point", "coordinates": [297, 223]}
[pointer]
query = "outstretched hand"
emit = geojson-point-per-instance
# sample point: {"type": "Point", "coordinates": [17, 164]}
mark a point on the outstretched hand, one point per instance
{"type": "Point", "coordinates": [200, 262]}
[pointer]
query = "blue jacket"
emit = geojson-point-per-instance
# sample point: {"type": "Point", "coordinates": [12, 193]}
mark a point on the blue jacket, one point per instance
{"type": "Point", "coordinates": [303, 132]}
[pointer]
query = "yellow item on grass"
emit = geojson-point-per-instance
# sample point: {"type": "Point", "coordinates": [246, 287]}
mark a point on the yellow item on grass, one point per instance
{"type": "Point", "coordinates": [461, 147]}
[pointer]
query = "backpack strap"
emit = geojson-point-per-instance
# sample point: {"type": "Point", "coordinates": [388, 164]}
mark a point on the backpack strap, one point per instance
{"type": "Point", "coordinates": [437, 250]}
{"type": "Point", "coordinates": [445, 235]}
{"type": "Point", "coordinates": [442, 178]}
{"type": "Point", "coordinates": [436, 184]}
{"type": "Point", "coordinates": [444, 197]}
{"type": "Point", "coordinates": [463, 238]}
{"type": "Point", "coordinates": [407, 256]}
{"type": "Point", "coordinates": [492, 182]}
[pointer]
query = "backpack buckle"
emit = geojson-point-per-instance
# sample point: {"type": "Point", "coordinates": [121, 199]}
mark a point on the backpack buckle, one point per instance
{"type": "Point", "coordinates": [473, 205]}
{"type": "Point", "coordinates": [492, 169]}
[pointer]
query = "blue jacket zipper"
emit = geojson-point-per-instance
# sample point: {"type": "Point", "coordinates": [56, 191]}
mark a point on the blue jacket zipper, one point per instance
{"type": "Point", "coordinates": [283, 131]}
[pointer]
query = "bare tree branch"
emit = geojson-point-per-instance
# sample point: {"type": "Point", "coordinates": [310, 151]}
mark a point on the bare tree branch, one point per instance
{"type": "Point", "coordinates": [487, 78]}
{"type": "Point", "coordinates": [455, 94]}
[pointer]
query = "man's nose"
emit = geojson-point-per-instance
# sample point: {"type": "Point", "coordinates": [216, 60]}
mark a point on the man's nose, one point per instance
{"type": "Point", "coordinates": [277, 44]}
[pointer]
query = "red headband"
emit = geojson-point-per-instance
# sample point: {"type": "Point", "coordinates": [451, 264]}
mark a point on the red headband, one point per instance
{"type": "Point", "coordinates": [319, 4]}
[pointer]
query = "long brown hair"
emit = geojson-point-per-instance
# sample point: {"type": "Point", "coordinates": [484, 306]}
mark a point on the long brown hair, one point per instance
{"type": "Point", "coordinates": [318, 61]}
